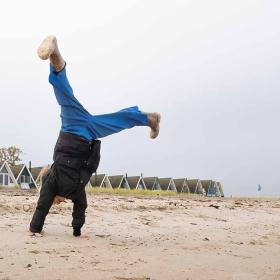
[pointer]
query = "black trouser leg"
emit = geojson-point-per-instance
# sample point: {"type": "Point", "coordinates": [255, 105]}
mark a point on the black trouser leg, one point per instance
{"type": "Point", "coordinates": [44, 204]}
{"type": "Point", "coordinates": [79, 209]}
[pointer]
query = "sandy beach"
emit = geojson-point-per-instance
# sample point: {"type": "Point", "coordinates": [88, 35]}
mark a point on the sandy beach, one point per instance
{"type": "Point", "coordinates": [136, 237]}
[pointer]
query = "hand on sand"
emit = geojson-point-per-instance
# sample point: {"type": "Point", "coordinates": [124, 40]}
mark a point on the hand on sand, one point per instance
{"type": "Point", "coordinates": [58, 199]}
{"type": "Point", "coordinates": [36, 234]}
{"type": "Point", "coordinates": [83, 236]}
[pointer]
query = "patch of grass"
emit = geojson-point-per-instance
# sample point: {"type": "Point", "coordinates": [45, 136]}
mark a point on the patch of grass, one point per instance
{"type": "Point", "coordinates": [128, 192]}
{"type": "Point", "coordinates": [14, 187]}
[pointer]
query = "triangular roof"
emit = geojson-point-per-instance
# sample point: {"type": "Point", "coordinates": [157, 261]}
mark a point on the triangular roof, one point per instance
{"type": "Point", "coordinates": [164, 183]}
{"type": "Point", "coordinates": [216, 189]}
{"type": "Point", "coordinates": [167, 184]}
{"type": "Point", "coordinates": [199, 189]}
{"type": "Point", "coordinates": [96, 180]}
{"type": "Point", "coordinates": [193, 185]}
{"type": "Point", "coordinates": [117, 181]}
{"type": "Point", "coordinates": [211, 187]}
{"type": "Point", "coordinates": [7, 168]}
{"type": "Point", "coordinates": [206, 184]}
{"type": "Point", "coordinates": [136, 181]}
{"type": "Point", "coordinates": [35, 171]}
{"type": "Point", "coordinates": [18, 169]}
{"type": "Point", "coordinates": [182, 185]}
{"type": "Point", "coordinates": [152, 183]}
{"type": "Point", "coordinates": [99, 180]}
{"type": "Point", "coordinates": [219, 185]}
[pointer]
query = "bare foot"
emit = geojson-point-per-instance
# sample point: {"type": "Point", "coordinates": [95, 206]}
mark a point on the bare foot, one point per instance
{"type": "Point", "coordinates": [153, 123]}
{"type": "Point", "coordinates": [47, 47]}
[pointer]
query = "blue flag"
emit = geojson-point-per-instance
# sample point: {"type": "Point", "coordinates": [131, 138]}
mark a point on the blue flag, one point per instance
{"type": "Point", "coordinates": [259, 188]}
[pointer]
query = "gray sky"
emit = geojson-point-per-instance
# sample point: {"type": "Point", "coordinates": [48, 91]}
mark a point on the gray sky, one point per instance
{"type": "Point", "coordinates": [210, 67]}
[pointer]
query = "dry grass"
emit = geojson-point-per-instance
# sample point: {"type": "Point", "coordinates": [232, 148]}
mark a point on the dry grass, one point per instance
{"type": "Point", "coordinates": [138, 192]}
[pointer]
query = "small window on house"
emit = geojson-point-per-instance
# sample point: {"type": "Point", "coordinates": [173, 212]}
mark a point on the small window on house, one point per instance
{"type": "Point", "coordinates": [6, 180]}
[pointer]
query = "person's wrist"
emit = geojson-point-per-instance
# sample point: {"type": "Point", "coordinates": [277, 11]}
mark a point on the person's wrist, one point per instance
{"type": "Point", "coordinates": [77, 231]}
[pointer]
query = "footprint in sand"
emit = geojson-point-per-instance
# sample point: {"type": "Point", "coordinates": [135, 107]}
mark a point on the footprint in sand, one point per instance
{"type": "Point", "coordinates": [34, 252]}
{"type": "Point", "coordinates": [26, 207]}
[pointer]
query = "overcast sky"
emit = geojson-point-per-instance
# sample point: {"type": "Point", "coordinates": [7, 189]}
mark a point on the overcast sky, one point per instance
{"type": "Point", "coordinates": [209, 67]}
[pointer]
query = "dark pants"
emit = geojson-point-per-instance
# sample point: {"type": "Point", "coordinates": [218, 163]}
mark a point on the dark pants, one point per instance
{"type": "Point", "coordinates": [45, 202]}
{"type": "Point", "coordinates": [75, 159]}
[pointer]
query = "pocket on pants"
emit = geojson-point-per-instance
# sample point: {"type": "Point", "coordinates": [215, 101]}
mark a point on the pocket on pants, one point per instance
{"type": "Point", "coordinates": [67, 175]}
